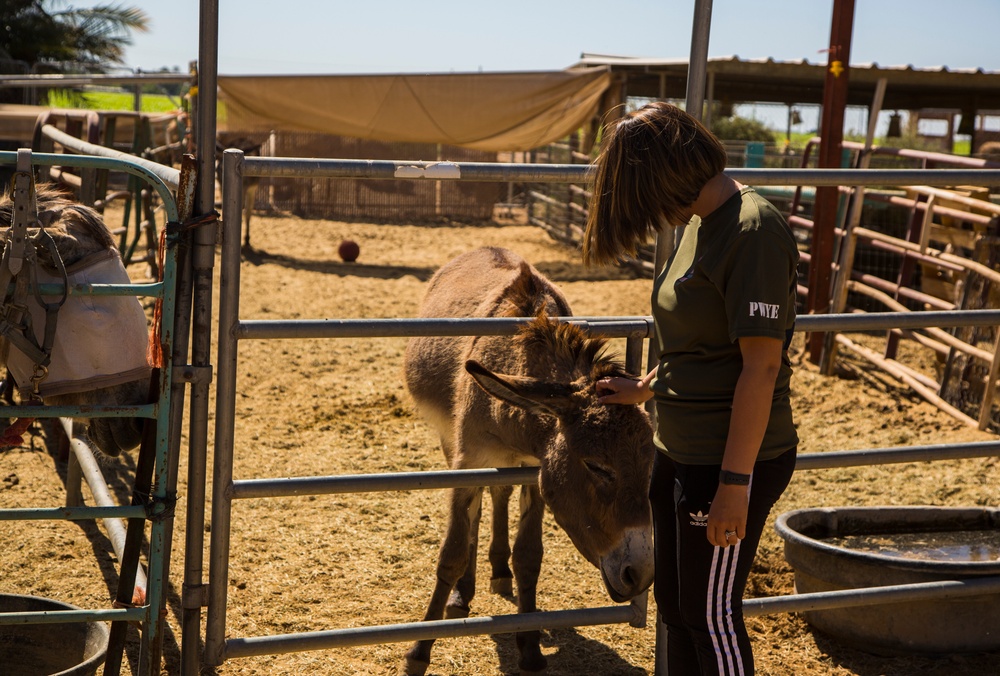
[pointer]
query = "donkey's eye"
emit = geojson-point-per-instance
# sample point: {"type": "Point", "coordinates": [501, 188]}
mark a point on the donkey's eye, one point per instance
{"type": "Point", "coordinates": [600, 472]}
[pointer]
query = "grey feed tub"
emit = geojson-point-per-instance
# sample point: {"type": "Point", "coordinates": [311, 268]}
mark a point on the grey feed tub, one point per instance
{"type": "Point", "coordinates": [59, 649]}
{"type": "Point", "coordinates": [855, 547]}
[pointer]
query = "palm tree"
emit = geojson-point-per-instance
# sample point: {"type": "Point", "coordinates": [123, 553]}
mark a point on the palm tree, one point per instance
{"type": "Point", "coordinates": [55, 37]}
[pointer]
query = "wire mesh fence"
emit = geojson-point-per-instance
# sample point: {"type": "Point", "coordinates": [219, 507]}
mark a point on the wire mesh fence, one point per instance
{"type": "Point", "coordinates": [964, 378]}
{"type": "Point", "coordinates": [379, 200]}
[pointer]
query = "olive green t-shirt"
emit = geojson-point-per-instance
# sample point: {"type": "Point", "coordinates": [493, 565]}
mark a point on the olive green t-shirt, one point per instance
{"type": "Point", "coordinates": [732, 275]}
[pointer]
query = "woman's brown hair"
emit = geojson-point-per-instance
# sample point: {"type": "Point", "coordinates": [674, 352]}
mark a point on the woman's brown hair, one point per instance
{"type": "Point", "coordinates": [652, 166]}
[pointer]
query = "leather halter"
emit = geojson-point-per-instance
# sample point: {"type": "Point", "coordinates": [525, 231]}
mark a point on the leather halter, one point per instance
{"type": "Point", "coordinates": [19, 263]}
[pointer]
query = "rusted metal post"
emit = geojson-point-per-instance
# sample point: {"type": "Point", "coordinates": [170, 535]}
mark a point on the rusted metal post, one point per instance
{"type": "Point", "coordinates": [845, 261]}
{"type": "Point", "coordinates": [202, 261]}
{"type": "Point", "coordinates": [831, 136]}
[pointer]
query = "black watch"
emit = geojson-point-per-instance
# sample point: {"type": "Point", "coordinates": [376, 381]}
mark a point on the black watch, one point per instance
{"type": "Point", "coordinates": [733, 479]}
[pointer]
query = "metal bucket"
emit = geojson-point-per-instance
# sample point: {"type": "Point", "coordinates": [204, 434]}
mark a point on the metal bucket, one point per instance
{"type": "Point", "coordinates": [814, 546]}
{"type": "Point", "coordinates": [58, 649]}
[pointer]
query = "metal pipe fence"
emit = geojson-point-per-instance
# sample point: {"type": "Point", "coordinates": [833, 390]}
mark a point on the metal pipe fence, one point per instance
{"type": "Point", "coordinates": [232, 329]}
{"type": "Point", "coordinates": [157, 510]}
{"type": "Point", "coordinates": [580, 173]}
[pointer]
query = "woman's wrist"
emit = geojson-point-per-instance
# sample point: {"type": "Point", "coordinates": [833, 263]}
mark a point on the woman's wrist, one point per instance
{"type": "Point", "coordinates": [727, 478]}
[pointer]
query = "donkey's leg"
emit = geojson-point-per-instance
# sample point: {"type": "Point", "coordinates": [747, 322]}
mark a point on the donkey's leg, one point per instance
{"type": "Point", "coordinates": [465, 588]}
{"type": "Point", "coordinates": [500, 580]}
{"type": "Point", "coordinates": [527, 566]}
{"type": "Point", "coordinates": [453, 560]}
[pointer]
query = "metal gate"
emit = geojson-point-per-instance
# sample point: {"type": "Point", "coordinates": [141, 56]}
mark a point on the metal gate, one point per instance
{"type": "Point", "coordinates": [219, 648]}
{"type": "Point", "coordinates": [154, 488]}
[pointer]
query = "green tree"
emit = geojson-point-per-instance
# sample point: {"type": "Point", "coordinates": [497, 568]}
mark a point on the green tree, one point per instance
{"type": "Point", "coordinates": [52, 36]}
{"type": "Point", "coordinates": [735, 128]}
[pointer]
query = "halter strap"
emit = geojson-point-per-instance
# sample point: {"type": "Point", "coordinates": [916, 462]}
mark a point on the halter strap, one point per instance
{"type": "Point", "coordinates": [15, 318]}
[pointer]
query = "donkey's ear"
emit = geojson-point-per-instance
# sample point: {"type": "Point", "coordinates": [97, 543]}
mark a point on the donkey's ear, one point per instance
{"type": "Point", "coordinates": [538, 396]}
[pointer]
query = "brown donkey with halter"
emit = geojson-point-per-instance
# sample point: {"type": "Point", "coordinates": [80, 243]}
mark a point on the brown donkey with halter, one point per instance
{"type": "Point", "coordinates": [528, 401]}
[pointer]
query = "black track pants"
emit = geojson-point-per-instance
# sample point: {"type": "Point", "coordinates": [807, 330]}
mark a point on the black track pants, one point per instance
{"type": "Point", "coordinates": [699, 587]}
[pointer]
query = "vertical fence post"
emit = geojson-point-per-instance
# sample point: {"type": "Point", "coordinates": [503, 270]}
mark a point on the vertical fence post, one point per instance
{"type": "Point", "coordinates": [225, 409]}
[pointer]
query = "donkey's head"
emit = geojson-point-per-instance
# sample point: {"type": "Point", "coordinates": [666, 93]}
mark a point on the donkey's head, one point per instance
{"type": "Point", "coordinates": [594, 473]}
{"type": "Point", "coordinates": [98, 352]}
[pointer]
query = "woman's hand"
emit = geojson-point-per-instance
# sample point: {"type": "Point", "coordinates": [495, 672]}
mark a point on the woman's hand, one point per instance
{"type": "Point", "coordinates": [728, 514]}
{"type": "Point", "coordinates": [751, 408]}
{"type": "Point", "coordinates": [618, 390]}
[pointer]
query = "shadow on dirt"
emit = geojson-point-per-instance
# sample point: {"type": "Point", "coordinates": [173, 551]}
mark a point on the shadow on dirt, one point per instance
{"type": "Point", "coordinates": [574, 654]}
{"type": "Point", "coordinates": [578, 272]}
{"type": "Point", "coordinates": [556, 271]}
{"type": "Point", "coordinates": [867, 664]}
{"type": "Point", "coordinates": [261, 257]}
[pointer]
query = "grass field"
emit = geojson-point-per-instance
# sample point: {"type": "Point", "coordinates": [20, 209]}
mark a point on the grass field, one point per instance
{"type": "Point", "coordinates": [151, 103]}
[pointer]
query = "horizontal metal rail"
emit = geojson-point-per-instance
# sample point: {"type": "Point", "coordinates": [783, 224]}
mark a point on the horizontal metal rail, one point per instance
{"type": "Point", "coordinates": [60, 616]}
{"type": "Point", "coordinates": [112, 160]}
{"type": "Point", "coordinates": [896, 320]}
{"type": "Point", "coordinates": [517, 476]}
{"type": "Point", "coordinates": [388, 328]}
{"type": "Point", "coordinates": [911, 153]}
{"type": "Point", "coordinates": [137, 411]}
{"type": "Point", "coordinates": [389, 481]}
{"type": "Point", "coordinates": [167, 175]}
{"type": "Point", "coordinates": [151, 289]}
{"type": "Point", "coordinates": [872, 596]}
{"type": "Point", "coordinates": [261, 329]}
{"type": "Point", "coordinates": [419, 631]}
{"type": "Point", "coordinates": [74, 513]}
{"type": "Point", "coordinates": [162, 178]}
{"type": "Point", "coordinates": [887, 456]}
{"type": "Point", "coordinates": [54, 80]}
{"type": "Point", "coordinates": [289, 167]}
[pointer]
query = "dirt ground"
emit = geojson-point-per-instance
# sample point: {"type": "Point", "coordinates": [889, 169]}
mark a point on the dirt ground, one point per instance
{"type": "Point", "coordinates": [338, 406]}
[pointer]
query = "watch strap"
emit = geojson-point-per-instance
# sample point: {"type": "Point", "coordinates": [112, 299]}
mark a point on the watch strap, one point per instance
{"type": "Point", "coordinates": [733, 478]}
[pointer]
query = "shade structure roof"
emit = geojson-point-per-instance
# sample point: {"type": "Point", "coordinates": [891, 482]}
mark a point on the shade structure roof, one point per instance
{"type": "Point", "coordinates": [736, 80]}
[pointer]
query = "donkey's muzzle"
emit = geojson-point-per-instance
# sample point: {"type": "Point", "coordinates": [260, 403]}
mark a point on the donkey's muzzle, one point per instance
{"type": "Point", "coordinates": [627, 570]}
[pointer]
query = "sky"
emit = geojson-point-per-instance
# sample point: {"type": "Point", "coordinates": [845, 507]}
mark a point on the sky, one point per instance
{"type": "Point", "coordinates": [387, 36]}
{"type": "Point", "coordinates": [442, 36]}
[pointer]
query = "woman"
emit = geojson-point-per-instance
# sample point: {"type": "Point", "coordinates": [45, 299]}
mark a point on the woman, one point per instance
{"type": "Point", "coordinates": [724, 311]}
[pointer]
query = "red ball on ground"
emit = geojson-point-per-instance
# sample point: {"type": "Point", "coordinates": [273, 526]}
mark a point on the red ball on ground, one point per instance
{"type": "Point", "coordinates": [349, 250]}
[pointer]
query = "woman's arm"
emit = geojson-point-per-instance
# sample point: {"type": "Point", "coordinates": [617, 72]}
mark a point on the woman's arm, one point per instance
{"type": "Point", "coordinates": [751, 410]}
{"type": "Point", "coordinates": [619, 390]}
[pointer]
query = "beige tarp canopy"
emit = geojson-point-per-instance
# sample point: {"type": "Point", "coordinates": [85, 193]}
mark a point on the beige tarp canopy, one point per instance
{"type": "Point", "coordinates": [484, 111]}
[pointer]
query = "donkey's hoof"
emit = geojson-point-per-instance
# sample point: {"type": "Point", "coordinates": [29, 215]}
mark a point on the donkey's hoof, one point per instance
{"type": "Point", "coordinates": [456, 612]}
{"type": "Point", "coordinates": [535, 670]}
{"type": "Point", "coordinates": [532, 662]}
{"type": "Point", "coordinates": [504, 586]}
{"type": "Point", "coordinates": [414, 667]}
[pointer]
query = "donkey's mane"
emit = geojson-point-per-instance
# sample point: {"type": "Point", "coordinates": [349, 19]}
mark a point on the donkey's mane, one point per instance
{"type": "Point", "coordinates": [77, 229]}
{"type": "Point", "coordinates": [570, 347]}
